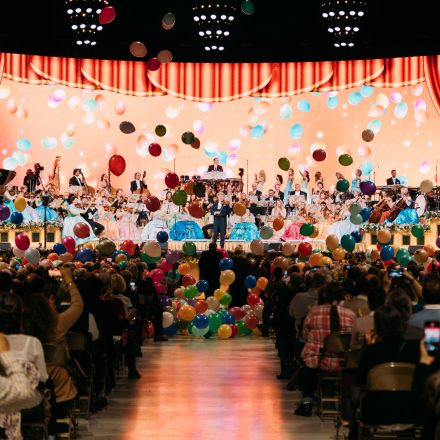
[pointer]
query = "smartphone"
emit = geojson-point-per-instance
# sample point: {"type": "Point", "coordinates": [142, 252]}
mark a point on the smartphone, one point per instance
{"type": "Point", "coordinates": [432, 337]}
{"type": "Point", "coordinates": [132, 285]}
{"type": "Point", "coordinates": [395, 273]}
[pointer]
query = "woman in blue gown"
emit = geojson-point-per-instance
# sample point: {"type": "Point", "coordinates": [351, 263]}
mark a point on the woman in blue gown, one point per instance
{"type": "Point", "coordinates": [289, 185]}
{"type": "Point", "coordinates": [184, 228]}
{"type": "Point", "coordinates": [244, 228]}
{"type": "Point", "coordinates": [51, 214]}
{"type": "Point", "coordinates": [408, 215]}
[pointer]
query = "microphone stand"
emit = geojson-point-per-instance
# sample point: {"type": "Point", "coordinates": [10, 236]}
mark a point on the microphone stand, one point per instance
{"type": "Point", "coordinates": [247, 173]}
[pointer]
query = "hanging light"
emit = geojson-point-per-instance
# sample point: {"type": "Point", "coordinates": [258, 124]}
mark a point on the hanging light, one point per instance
{"type": "Point", "coordinates": [214, 22]}
{"type": "Point", "coordinates": [343, 19]}
{"type": "Point", "coordinates": [84, 20]}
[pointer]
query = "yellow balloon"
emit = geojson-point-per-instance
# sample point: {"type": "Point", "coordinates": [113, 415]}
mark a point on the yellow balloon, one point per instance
{"type": "Point", "coordinates": [224, 331]}
{"type": "Point", "coordinates": [315, 259]}
{"type": "Point", "coordinates": [383, 236]}
{"type": "Point", "coordinates": [227, 277]}
{"type": "Point", "coordinates": [332, 242]}
{"type": "Point", "coordinates": [20, 204]}
{"type": "Point", "coordinates": [327, 260]}
{"type": "Point", "coordinates": [338, 254]}
{"type": "Point", "coordinates": [315, 232]}
{"type": "Point", "coordinates": [219, 294]}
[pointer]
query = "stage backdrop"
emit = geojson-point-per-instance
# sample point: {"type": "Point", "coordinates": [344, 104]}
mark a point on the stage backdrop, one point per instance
{"type": "Point", "coordinates": [40, 122]}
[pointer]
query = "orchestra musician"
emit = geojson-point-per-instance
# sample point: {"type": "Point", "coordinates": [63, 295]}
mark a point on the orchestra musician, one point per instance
{"type": "Point", "coordinates": [393, 180]}
{"type": "Point", "coordinates": [278, 193]}
{"type": "Point", "coordinates": [215, 166]}
{"type": "Point", "coordinates": [220, 210]}
{"type": "Point", "coordinates": [91, 215]}
{"type": "Point", "coordinates": [138, 185]}
{"type": "Point", "coordinates": [77, 179]}
{"type": "Point", "coordinates": [297, 192]}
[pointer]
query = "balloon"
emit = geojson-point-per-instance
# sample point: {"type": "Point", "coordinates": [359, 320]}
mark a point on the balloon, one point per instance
{"type": "Point", "coordinates": [345, 160]}
{"type": "Point", "coordinates": [191, 291]}
{"type": "Point", "coordinates": [248, 7]}
{"type": "Point", "coordinates": [195, 210]}
{"type": "Point", "coordinates": [278, 224]}
{"type": "Point", "coordinates": [356, 219]}
{"type": "Point", "coordinates": [153, 64]}
{"type": "Point", "coordinates": [266, 232]}
{"type": "Point", "coordinates": [420, 255]}
{"type": "Point", "coordinates": [32, 255]}
{"type": "Point", "coordinates": [164, 301]}
{"type": "Point", "coordinates": [172, 180]}
{"type": "Point", "coordinates": [215, 320]}
{"type": "Point", "coordinates": [116, 164]}
{"type": "Point", "coordinates": [127, 127]}
{"type": "Point", "coordinates": [199, 189]}
{"type": "Point", "coordinates": [348, 243]}
{"type": "Point", "coordinates": [253, 299]}
{"type": "Point", "coordinates": [417, 231]}
{"type": "Point", "coordinates": [157, 275]}
{"type": "Point", "coordinates": [83, 255]}
{"type": "Point", "coordinates": [158, 286]}
{"type": "Point", "coordinates": [355, 208]}
{"type": "Point", "coordinates": [365, 213]}
{"type": "Point", "coordinates": [188, 137]}
{"type": "Point", "coordinates": [120, 258]}
{"type": "Point", "coordinates": [367, 187]}
{"type": "Point", "coordinates": [306, 229]}
{"type": "Point", "coordinates": [5, 212]}
{"type": "Point", "coordinates": [202, 285]}
{"type": "Point", "coordinates": [304, 249]}
{"type": "Point", "coordinates": [281, 262]}
{"type": "Point", "coordinates": [155, 150]}
{"type": "Point", "coordinates": [239, 209]}
{"type": "Point", "coordinates": [368, 135]}
{"type": "Point", "coordinates": [226, 300]}
{"type": "Point", "coordinates": [251, 321]}
{"type": "Point", "coordinates": [172, 257]}
{"type": "Point", "coordinates": [224, 331]}
{"type": "Point", "coordinates": [212, 302]}
{"type": "Point", "coordinates": [180, 197]}
{"type": "Point", "coordinates": [162, 236]}
{"type": "Point", "coordinates": [288, 248]}
{"type": "Point", "coordinates": [257, 247]}
{"type": "Point", "coordinates": [138, 49]}
{"type": "Point", "coordinates": [201, 306]}
{"type": "Point", "coordinates": [237, 313]}
{"type": "Point", "coordinates": [201, 321]}
{"type": "Point", "coordinates": [105, 247]}
{"type": "Point", "coordinates": [284, 163]}
{"type": "Point", "coordinates": [152, 249]}
{"type": "Point", "coordinates": [219, 294]}
{"type": "Point", "coordinates": [430, 249]}
{"type": "Point", "coordinates": [357, 236]}
{"type": "Point", "coordinates": [338, 254]}
{"type": "Point", "coordinates": [262, 283]}
{"type": "Point", "coordinates": [152, 203]}
{"type": "Point", "coordinates": [189, 188]}
{"type": "Point", "coordinates": [171, 330]}
{"type": "Point", "coordinates": [167, 319]}
{"type": "Point", "coordinates": [129, 247]}
{"type": "Point", "coordinates": [189, 248]}
{"type": "Point", "coordinates": [17, 218]}
{"type": "Point", "coordinates": [332, 242]}
{"type": "Point", "coordinates": [402, 253]}
{"type": "Point", "coordinates": [225, 264]}
{"type": "Point", "coordinates": [187, 312]}
{"type": "Point", "coordinates": [315, 259]}
{"type": "Point", "coordinates": [386, 253]}
{"type": "Point", "coordinates": [383, 236]}
{"type": "Point", "coordinates": [188, 280]}
{"type": "Point", "coordinates": [426, 186]}
{"type": "Point", "coordinates": [319, 155]}
{"type": "Point", "coordinates": [22, 242]}
{"type": "Point", "coordinates": [250, 281]}
{"type": "Point", "coordinates": [81, 230]}
{"type": "Point", "coordinates": [107, 15]}
{"type": "Point", "coordinates": [227, 277]}
{"type": "Point", "coordinates": [342, 185]}
{"type": "Point", "coordinates": [160, 130]}
{"type": "Point", "coordinates": [20, 204]}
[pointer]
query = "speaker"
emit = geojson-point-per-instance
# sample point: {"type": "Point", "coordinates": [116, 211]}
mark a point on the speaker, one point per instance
{"type": "Point", "coordinates": [413, 248]}
{"type": "Point", "coordinates": [5, 247]}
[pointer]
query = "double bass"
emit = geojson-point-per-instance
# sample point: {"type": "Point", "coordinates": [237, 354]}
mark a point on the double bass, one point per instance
{"type": "Point", "coordinates": [143, 189]}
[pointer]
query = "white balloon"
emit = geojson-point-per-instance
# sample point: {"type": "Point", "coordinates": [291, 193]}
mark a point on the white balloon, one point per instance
{"type": "Point", "coordinates": [32, 255]}
{"type": "Point", "coordinates": [17, 252]}
{"type": "Point", "coordinates": [167, 319]}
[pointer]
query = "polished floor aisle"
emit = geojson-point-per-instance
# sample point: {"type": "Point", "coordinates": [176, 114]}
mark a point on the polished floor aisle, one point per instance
{"type": "Point", "coordinates": [205, 389]}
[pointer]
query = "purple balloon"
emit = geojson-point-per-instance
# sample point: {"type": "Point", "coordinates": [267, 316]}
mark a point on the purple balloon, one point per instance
{"type": "Point", "coordinates": [437, 242]}
{"type": "Point", "coordinates": [191, 301]}
{"type": "Point", "coordinates": [172, 257]}
{"type": "Point", "coordinates": [164, 301]}
{"type": "Point", "coordinates": [4, 212]}
{"type": "Point", "coordinates": [368, 187]}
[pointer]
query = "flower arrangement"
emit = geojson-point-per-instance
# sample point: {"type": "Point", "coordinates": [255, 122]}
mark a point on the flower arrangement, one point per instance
{"type": "Point", "coordinates": [393, 227]}
{"type": "Point", "coordinates": [55, 224]}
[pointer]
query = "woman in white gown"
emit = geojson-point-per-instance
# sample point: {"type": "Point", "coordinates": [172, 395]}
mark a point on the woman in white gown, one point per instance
{"type": "Point", "coordinates": [74, 211]}
{"type": "Point", "coordinates": [157, 223]}
{"type": "Point", "coordinates": [344, 226]}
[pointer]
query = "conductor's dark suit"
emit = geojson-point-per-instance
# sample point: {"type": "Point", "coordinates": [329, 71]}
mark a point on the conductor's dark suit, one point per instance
{"type": "Point", "coordinates": [220, 213]}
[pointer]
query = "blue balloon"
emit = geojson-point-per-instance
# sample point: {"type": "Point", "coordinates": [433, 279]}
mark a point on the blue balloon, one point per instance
{"type": "Point", "coordinates": [303, 106]}
{"type": "Point", "coordinates": [210, 153]}
{"type": "Point", "coordinates": [296, 131]}
{"type": "Point", "coordinates": [201, 321]}
{"type": "Point", "coordinates": [202, 285]}
{"type": "Point", "coordinates": [24, 144]}
{"type": "Point", "coordinates": [386, 253]}
{"type": "Point", "coordinates": [222, 157]}
{"type": "Point", "coordinates": [227, 318]}
{"type": "Point", "coordinates": [367, 91]}
{"type": "Point", "coordinates": [59, 248]}
{"type": "Point", "coordinates": [82, 255]}
{"type": "Point", "coordinates": [257, 132]}
{"type": "Point", "coordinates": [164, 301]}
{"type": "Point", "coordinates": [162, 236]}
{"type": "Point", "coordinates": [354, 98]}
{"type": "Point", "coordinates": [332, 102]}
{"type": "Point", "coordinates": [17, 218]}
{"type": "Point", "coordinates": [366, 168]}
{"type": "Point", "coordinates": [365, 213]}
{"type": "Point", "coordinates": [250, 281]}
{"type": "Point", "coordinates": [225, 264]}
{"type": "Point", "coordinates": [171, 330]}
{"type": "Point", "coordinates": [357, 236]}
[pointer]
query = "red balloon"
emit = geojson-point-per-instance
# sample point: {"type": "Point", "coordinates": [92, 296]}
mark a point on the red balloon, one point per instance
{"type": "Point", "coordinates": [22, 242]}
{"type": "Point", "coordinates": [116, 164]}
{"type": "Point", "coordinates": [224, 252]}
{"type": "Point", "coordinates": [152, 203]}
{"type": "Point", "coordinates": [304, 249]}
{"type": "Point", "coordinates": [378, 247]}
{"type": "Point", "coordinates": [150, 329]}
{"type": "Point", "coordinates": [234, 330]}
{"type": "Point", "coordinates": [158, 287]}
{"type": "Point", "coordinates": [153, 64]}
{"type": "Point", "coordinates": [155, 149]}
{"type": "Point", "coordinates": [81, 230]}
{"type": "Point", "coordinates": [129, 247]}
{"type": "Point", "coordinates": [237, 313]}
{"type": "Point", "coordinates": [195, 210]}
{"type": "Point", "coordinates": [69, 244]}
{"type": "Point", "coordinates": [107, 15]}
{"type": "Point", "coordinates": [164, 266]}
{"type": "Point", "coordinates": [52, 256]}
{"type": "Point", "coordinates": [319, 155]}
{"type": "Point", "coordinates": [201, 306]}
{"type": "Point", "coordinates": [253, 299]}
{"type": "Point", "coordinates": [251, 321]}
{"type": "Point", "coordinates": [172, 180]}
{"type": "Point", "coordinates": [157, 275]}
{"type": "Point", "coordinates": [188, 280]}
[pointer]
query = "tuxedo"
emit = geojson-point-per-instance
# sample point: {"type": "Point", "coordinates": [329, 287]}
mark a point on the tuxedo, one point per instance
{"type": "Point", "coordinates": [89, 217]}
{"type": "Point", "coordinates": [215, 168]}
{"type": "Point", "coordinates": [298, 193]}
{"type": "Point", "coordinates": [280, 195]}
{"type": "Point", "coordinates": [220, 213]}
{"type": "Point", "coordinates": [137, 184]}
{"type": "Point", "coordinates": [76, 181]}
{"type": "Point", "coordinates": [393, 181]}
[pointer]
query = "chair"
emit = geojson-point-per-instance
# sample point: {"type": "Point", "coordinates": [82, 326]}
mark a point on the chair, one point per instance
{"type": "Point", "coordinates": [35, 421]}
{"type": "Point", "coordinates": [386, 408]}
{"type": "Point", "coordinates": [329, 382]}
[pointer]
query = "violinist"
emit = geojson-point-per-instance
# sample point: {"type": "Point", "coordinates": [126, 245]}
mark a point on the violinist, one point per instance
{"type": "Point", "coordinates": [220, 210]}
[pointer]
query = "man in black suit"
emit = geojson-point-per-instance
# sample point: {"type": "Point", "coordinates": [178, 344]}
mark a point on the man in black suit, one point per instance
{"type": "Point", "coordinates": [393, 180]}
{"type": "Point", "coordinates": [220, 210]}
{"type": "Point", "coordinates": [137, 184]}
{"type": "Point", "coordinates": [215, 167]}
{"type": "Point", "coordinates": [76, 179]}
{"type": "Point", "coordinates": [208, 267]}
{"type": "Point", "coordinates": [90, 216]}
{"type": "Point", "coordinates": [298, 192]}
{"type": "Point", "coordinates": [278, 193]}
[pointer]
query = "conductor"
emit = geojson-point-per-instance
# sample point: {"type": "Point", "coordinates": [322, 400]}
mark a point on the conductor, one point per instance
{"type": "Point", "coordinates": [220, 210]}
{"type": "Point", "coordinates": [215, 166]}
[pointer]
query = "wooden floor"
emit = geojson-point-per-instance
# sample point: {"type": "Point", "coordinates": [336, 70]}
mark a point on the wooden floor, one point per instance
{"type": "Point", "coordinates": [200, 389]}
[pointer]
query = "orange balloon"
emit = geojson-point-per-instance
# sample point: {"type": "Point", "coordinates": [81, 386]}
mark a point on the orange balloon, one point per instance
{"type": "Point", "coordinates": [201, 306]}
{"type": "Point", "coordinates": [316, 259]}
{"type": "Point", "coordinates": [227, 277]}
{"type": "Point", "coordinates": [224, 288]}
{"type": "Point", "coordinates": [332, 242]}
{"type": "Point", "coordinates": [338, 254]}
{"type": "Point", "coordinates": [420, 255]}
{"type": "Point", "coordinates": [278, 224]}
{"type": "Point", "coordinates": [184, 268]}
{"type": "Point", "coordinates": [120, 257]}
{"type": "Point", "coordinates": [239, 209]}
{"type": "Point", "coordinates": [66, 257]}
{"type": "Point", "coordinates": [256, 291]}
{"type": "Point", "coordinates": [315, 232]}
{"type": "Point", "coordinates": [187, 312]}
{"type": "Point", "coordinates": [327, 260]}
{"type": "Point", "coordinates": [189, 188]}
{"type": "Point", "coordinates": [430, 249]}
{"type": "Point", "coordinates": [300, 265]}
{"type": "Point", "coordinates": [282, 262]}
{"type": "Point", "coordinates": [262, 283]}
{"type": "Point", "coordinates": [88, 246]}
{"type": "Point", "coordinates": [53, 256]}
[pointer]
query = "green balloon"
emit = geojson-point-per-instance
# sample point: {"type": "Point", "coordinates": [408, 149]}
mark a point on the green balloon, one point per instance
{"type": "Point", "coordinates": [248, 7]}
{"type": "Point", "coordinates": [355, 208]}
{"type": "Point", "coordinates": [284, 163]}
{"type": "Point", "coordinates": [123, 264]}
{"type": "Point", "coordinates": [180, 197]}
{"type": "Point", "coordinates": [191, 291]}
{"type": "Point", "coordinates": [190, 328]}
{"type": "Point", "coordinates": [149, 260]}
{"type": "Point", "coordinates": [222, 312]}
{"type": "Point", "coordinates": [342, 185]}
{"type": "Point", "coordinates": [306, 229]}
{"type": "Point", "coordinates": [189, 248]}
{"type": "Point", "coordinates": [417, 231]}
{"type": "Point", "coordinates": [199, 189]}
{"type": "Point", "coordinates": [240, 327]}
{"type": "Point", "coordinates": [402, 253]}
{"type": "Point", "coordinates": [188, 138]}
{"type": "Point", "coordinates": [160, 130]}
{"type": "Point", "coordinates": [404, 260]}
{"type": "Point", "coordinates": [215, 321]}
{"type": "Point", "coordinates": [266, 232]}
{"type": "Point", "coordinates": [345, 160]}
{"type": "Point", "coordinates": [348, 243]}
{"type": "Point", "coordinates": [356, 219]}
{"type": "Point", "coordinates": [226, 300]}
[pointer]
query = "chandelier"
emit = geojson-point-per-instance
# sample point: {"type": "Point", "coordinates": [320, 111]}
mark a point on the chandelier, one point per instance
{"type": "Point", "coordinates": [84, 19]}
{"type": "Point", "coordinates": [214, 22]}
{"type": "Point", "coordinates": [343, 19]}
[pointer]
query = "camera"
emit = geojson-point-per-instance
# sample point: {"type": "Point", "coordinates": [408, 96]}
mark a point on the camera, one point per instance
{"type": "Point", "coordinates": [38, 168]}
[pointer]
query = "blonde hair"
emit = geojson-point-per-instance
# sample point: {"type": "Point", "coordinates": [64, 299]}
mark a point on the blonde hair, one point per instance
{"type": "Point", "coordinates": [262, 175]}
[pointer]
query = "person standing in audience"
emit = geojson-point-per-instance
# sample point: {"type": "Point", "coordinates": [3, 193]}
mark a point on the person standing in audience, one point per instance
{"type": "Point", "coordinates": [260, 180]}
{"type": "Point", "coordinates": [289, 185]}
{"type": "Point", "coordinates": [209, 268]}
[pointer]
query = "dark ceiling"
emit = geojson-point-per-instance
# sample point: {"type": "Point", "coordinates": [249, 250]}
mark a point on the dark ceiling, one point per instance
{"type": "Point", "coordinates": [287, 30]}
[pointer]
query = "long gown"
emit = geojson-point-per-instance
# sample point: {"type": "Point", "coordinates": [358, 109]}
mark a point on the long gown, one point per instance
{"type": "Point", "coordinates": [244, 229]}
{"type": "Point", "coordinates": [74, 217]}
{"type": "Point", "coordinates": [291, 232]}
{"type": "Point", "coordinates": [343, 227]}
{"type": "Point", "coordinates": [407, 216]}
{"type": "Point", "coordinates": [51, 214]}
{"type": "Point", "coordinates": [111, 226]}
{"type": "Point", "coordinates": [287, 191]}
{"type": "Point", "coordinates": [157, 223]}
{"type": "Point", "coordinates": [185, 229]}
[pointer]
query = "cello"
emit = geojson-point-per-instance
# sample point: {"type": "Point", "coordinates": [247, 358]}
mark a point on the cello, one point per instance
{"type": "Point", "coordinates": [143, 189]}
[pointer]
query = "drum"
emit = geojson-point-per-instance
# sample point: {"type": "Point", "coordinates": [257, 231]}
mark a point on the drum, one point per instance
{"type": "Point", "coordinates": [378, 210]}
{"type": "Point", "coordinates": [420, 205]}
{"type": "Point", "coordinates": [399, 206]}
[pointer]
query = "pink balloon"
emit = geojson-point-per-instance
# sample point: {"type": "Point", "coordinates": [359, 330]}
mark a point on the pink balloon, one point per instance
{"type": "Point", "coordinates": [157, 275]}
{"type": "Point", "coordinates": [22, 241]}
